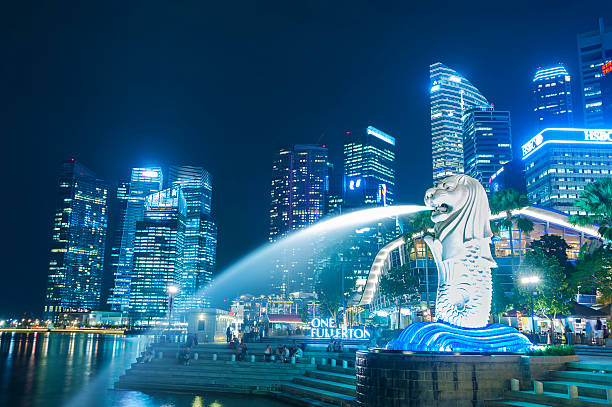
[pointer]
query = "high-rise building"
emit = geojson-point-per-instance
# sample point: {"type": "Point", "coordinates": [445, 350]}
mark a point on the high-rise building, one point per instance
{"type": "Point", "coordinates": [297, 200]}
{"type": "Point", "coordinates": [552, 93]}
{"type": "Point", "coordinates": [78, 242]}
{"type": "Point", "coordinates": [199, 252]}
{"type": "Point", "coordinates": [559, 163]}
{"type": "Point", "coordinates": [369, 169]}
{"type": "Point", "coordinates": [606, 92]}
{"type": "Point", "coordinates": [450, 95]}
{"type": "Point", "coordinates": [594, 49]}
{"type": "Point", "coordinates": [487, 142]}
{"type": "Point", "coordinates": [143, 182]}
{"type": "Point", "coordinates": [157, 255]}
{"type": "Point", "coordinates": [118, 210]}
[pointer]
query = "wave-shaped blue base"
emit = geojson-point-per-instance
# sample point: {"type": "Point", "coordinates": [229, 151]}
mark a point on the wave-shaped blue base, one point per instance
{"type": "Point", "coordinates": [443, 337]}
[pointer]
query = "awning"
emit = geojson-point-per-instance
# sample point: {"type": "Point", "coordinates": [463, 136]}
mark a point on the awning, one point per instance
{"type": "Point", "coordinates": [285, 318]}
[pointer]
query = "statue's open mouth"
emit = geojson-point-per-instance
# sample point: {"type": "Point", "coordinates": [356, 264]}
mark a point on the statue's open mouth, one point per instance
{"type": "Point", "coordinates": [442, 208]}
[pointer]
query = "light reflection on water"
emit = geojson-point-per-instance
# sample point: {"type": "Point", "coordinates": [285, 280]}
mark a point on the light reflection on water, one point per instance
{"type": "Point", "coordinates": [65, 370]}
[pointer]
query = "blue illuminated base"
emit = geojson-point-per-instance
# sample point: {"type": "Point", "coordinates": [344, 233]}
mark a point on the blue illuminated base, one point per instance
{"type": "Point", "coordinates": [443, 337]}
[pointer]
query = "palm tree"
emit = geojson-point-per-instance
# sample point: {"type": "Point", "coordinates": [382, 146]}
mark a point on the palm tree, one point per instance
{"type": "Point", "coordinates": [596, 201]}
{"type": "Point", "coordinates": [506, 201]}
{"type": "Point", "coordinates": [419, 223]}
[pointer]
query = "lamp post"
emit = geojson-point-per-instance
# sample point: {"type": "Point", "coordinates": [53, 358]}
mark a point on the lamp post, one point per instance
{"type": "Point", "coordinates": [172, 290]}
{"type": "Point", "coordinates": [531, 282]}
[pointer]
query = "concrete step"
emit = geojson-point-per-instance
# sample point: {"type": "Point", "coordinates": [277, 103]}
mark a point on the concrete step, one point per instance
{"type": "Point", "coordinates": [197, 374]}
{"type": "Point", "coordinates": [296, 400]}
{"type": "Point", "coordinates": [332, 376]}
{"type": "Point", "coordinates": [236, 367]}
{"type": "Point", "coordinates": [144, 384]}
{"type": "Point", "coordinates": [553, 399]}
{"type": "Point", "coordinates": [591, 366]}
{"type": "Point", "coordinates": [597, 391]}
{"type": "Point", "coordinates": [516, 403]}
{"type": "Point", "coordinates": [582, 376]}
{"type": "Point", "coordinates": [318, 394]}
{"type": "Point", "coordinates": [336, 369]}
{"type": "Point", "coordinates": [342, 388]}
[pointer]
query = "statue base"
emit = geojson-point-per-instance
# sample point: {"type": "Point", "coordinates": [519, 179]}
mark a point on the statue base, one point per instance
{"type": "Point", "coordinates": [443, 337]}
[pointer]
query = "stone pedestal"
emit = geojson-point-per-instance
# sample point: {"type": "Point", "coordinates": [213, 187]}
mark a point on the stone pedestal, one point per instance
{"type": "Point", "coordinates": [400, 378]}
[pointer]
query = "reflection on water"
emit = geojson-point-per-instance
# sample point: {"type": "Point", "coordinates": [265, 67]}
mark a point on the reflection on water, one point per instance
{"type": "Point", "coordinates": [53, 370]}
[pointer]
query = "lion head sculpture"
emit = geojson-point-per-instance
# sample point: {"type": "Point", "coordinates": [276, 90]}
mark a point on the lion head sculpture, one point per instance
{"type": "Point", "coordinates": [459, 204]}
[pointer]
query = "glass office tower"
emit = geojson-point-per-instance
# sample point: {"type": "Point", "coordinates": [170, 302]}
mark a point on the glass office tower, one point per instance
{"type": "Point", "coordinates": [297, 199]}
{"type": "Point", "coordinates": [487, 142]}
{"type": "Point", "coordinates": [594, 49]}
{"type": "Point", "coordinates": [552, 94]}
{"type": "Point", "coordinates": [78, 242]}
{"type": "Point", "coordinates": [157, 255]}
{"type": "Point", "coordinates": [450, 96]}
{"type": "Point", "coordinates": [199, 252]}
{"type": "Point", "coordinates": [606, 93]}
{"type": "Point", "coordinates": [143, 182]}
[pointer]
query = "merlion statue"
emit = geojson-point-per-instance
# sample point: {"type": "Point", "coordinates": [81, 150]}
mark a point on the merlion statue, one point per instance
{"type": "Point", "coordinates": [461, 250]}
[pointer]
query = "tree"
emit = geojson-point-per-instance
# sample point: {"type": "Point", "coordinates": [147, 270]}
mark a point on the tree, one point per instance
{"type": "Point", "coordinates": [419, 224]}
{"type": "Point", "coordinates": [596, 201]}
{"type": "Point", "coordinates": [552, 245]}
{"type": "Point", "coordinates": [552, 294]}
{"type": "Point", "coordinates": [594, 271]}
{"type": "Point", "coordinates": [329, 286]}
{"type": "Point", "coordinates": [506, 201]}
{"type": "Point", "coordinates": [500, 302]}
{"type": "Point", "coordinates": [401, 285]}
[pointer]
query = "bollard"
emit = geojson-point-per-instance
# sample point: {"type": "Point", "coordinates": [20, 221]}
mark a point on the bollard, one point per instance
{"type": "Point", "coordinates": [313, 361]}
{"type": "Point", "coordinates": [272, 358]}
{"type": "Point", "coordinates": [514, 385]}
{"type": "Point", "coordinates": [345, 364]}
{"type": "Point", "coordinates": [538, 387]}
{"type": "Point", "coordinates": [214, 356]}
{"type": "Point", "coordinates": [293, 360]}
{"type": "Point", "coordinates": [196, 356]}
{"type": "Point", "coordinates": [252, 358]}
{"type": "Point", "coordinates": [323, 361]}
{"type": "Point", "coordinates": [233, 358]}
{"type": "Point", "coordinates": [160, 355]}
{"type": "Point", "coordinates": [333, 362]}
{"type": "Point", "coordinates": [573, 391]}
{"type": "Point", "coordinates": [609, 396]}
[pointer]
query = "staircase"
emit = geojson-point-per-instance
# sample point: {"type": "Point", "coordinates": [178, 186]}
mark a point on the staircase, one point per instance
{"type": "Point", "coordinates": [586, 384]}
{"type": "Point", "coordinates": [593, 350]}
{"type": "Point", "coordinates": [323, 387]}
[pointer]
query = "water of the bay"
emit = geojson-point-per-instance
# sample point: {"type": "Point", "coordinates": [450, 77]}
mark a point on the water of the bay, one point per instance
{"type": "Point", "coordinates": [77, 369]}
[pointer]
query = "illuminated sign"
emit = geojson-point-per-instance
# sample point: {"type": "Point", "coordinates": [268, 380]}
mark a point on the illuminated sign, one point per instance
{"type": "Point", "coordinates": [373, 131]}
{"type": "Point", "coordinates": [606, 68]}
{"type": "Point", "coordinates": [149, 173]}
{"type": "Point", "coordinates": [354, 183]}
{"type": "Point", "coordinates": [597, 135]}
{"type": "Point", "coordinates": [326, 328]}
{"type": "Point", "coordinates": [532, 144]}
{"type": "Point", "coordinates": [381, 196]}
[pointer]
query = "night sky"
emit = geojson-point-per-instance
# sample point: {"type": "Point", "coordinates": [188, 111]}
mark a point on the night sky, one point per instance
{"type": "Point", "coordinates": [119, 84]}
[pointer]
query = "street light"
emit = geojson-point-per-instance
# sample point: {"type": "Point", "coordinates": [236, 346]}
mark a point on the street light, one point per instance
{"type": "Point", "coordinates": [531, 281]}
{"type": "Point", "coordinates": [172, 290]}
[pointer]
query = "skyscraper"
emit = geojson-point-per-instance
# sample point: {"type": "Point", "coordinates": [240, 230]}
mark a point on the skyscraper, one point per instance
{"type": "Point", "coordinates": [594, 49]}
{"type": "Point", "coordinates": [552, 93]}
{"type": "Point", "coordinates": [117, 216]}
{"type": "Point", "coordinates": [450, 95]}
{"type": "Point", "coordinates": [487, 142]}
{"type": "Point", "coordinates": [606, 92]}
{"type": "Point", "coordinates": [199, 252]}
{"type": "Point", "coordinates": [78, 242]}
{"type": "Point", "coordinates": [143, 182]}
{"type": "Point", "coordinates": [297, 200]}
{"type": "Point", "coordinates": [157, 255]}
{"type": "Point", "coordinates": [369, 169]}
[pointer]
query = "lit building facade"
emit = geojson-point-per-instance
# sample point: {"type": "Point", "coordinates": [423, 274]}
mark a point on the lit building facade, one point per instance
{"type": "Point", "coordinates": [143, 182]}
{"type": "Point", "coordinates": [559, 163]}
{"type": "Point", "coordinates": [450, 96]}
{"type": "Point", "coordinates": [77, 243]}
{"type": "Point", "coordinates": [606, 92]}
{"type": "Point", "coordinates": [200, 243]}
{"type": "Point", "coordinates": [118, 210]}
{"type": "Point", "coordinates": [552, 93]}
{"type": "Point", "coordinates": [297, 199]}
{"type": "Point", "coordinates": [487, 142]}
{"type": "Point", "coordinates": [594, 49]}
{"type": "Point", "coordinates": [369, 169]}
{"type": "Point", "coordinates": [158, 255]}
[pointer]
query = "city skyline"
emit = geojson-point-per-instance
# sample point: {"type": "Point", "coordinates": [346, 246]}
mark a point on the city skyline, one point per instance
{"type": "Point", "coordinates": [144, 129]}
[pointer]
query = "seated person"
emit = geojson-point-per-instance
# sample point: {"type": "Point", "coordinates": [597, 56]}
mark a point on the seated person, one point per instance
{"type": "Point", "coordinates": [185, 355]}
{"type": "Point", "coordinates": [298, 353]}
{"type": "Point", "coordinates": [267, 353]}
{"type": "Point", "coordinates": [331, 346]}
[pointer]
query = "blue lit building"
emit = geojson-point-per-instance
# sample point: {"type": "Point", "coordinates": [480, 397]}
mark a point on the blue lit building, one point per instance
{"type": "Point", "coordinates": [606, 92]}
{"type": "Point", "coordinates": [157, 255]}
{"type": "Point", "coordinates": [143, 182]}
{"type": "Point", "coordinates": [487, 142]}
{"type": "Point", "coordinates": [77, 242]}
{"type": "Point", "coordinates": [594, 49]}
{"type": "Point", "coordinates": [559, 163]}
{"type": "Point", "coordinates": [552, 93]}
{"type": "Point", "coordinates": [200, 245]}
{"type": "Point", "coordinates": [297, 200]}
{"type": "Point", "coordinates": [450, 96]}
{"type": "Point", "coordinates": [118, 210]}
